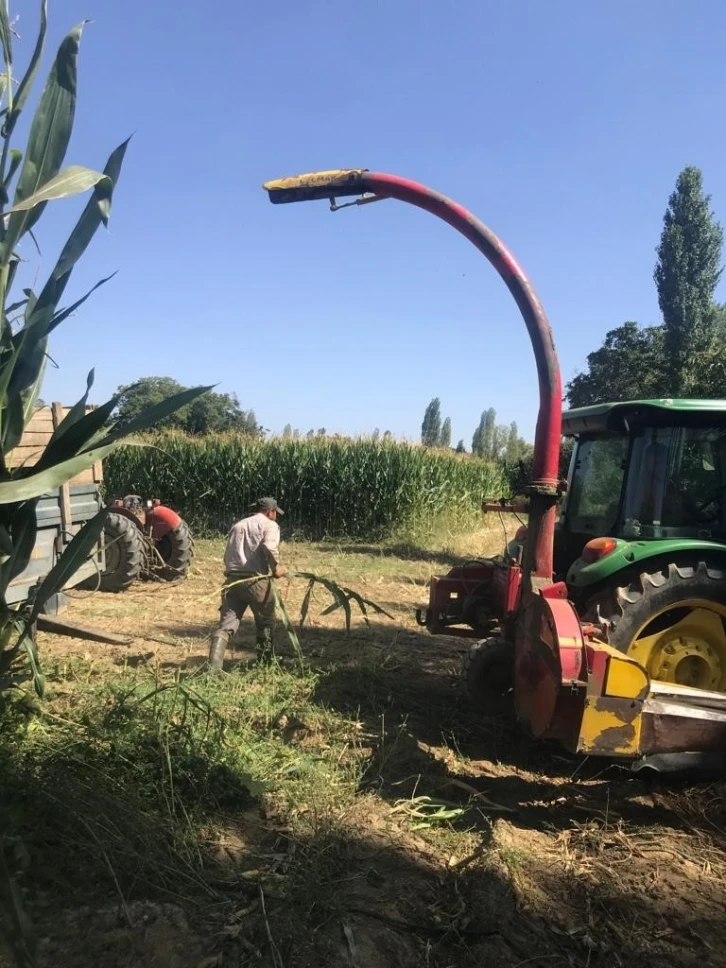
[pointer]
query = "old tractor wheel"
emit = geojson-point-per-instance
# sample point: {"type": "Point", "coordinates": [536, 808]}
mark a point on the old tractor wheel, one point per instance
{"type": "Point", "coordinates": [488, 674]}
{"type": "Point", "coordinates": [176, 549]}
{"type": "Point", "coordinates": [672, 621]}
{"type": "Point", "coordinates": [124, 550]}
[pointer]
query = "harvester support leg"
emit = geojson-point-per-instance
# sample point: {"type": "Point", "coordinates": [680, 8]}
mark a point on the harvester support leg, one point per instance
{"type": "Point", "coordinates": [220, 641]}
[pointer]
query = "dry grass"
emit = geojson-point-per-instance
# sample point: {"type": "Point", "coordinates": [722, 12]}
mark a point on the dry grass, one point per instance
{"type": "Point", "coordinates": [355, 813]}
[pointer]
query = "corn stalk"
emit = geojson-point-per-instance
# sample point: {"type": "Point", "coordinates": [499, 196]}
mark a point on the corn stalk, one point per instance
{"type": "Point", "coordinates": [31, 177]}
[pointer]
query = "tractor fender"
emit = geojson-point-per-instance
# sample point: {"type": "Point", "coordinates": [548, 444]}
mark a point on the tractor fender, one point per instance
{"type": "Point", "coordinates": [125, 513]}
{"type": "Point", "coordinates": [584, 574]}
{"type": "Point", "coordinates": [162, 520]}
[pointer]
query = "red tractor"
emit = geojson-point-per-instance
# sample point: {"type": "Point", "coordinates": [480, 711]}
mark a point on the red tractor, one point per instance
{"type": "Point", "coordinates": [144, 540]}
{"type": "Point", "coordinates": [612, 639]}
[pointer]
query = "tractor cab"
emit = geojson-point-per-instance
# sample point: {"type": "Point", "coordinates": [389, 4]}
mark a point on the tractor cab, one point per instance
{"type": "Point", "coordinates": [640, 471]}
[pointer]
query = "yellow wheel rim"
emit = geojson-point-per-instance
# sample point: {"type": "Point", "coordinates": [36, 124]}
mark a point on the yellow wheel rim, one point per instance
{"type": "Point", "coordinates": [685, 644]}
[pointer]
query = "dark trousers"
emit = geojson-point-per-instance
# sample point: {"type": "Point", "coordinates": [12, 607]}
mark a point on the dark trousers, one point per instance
{"type": "Point", "coordinates": [255, 595]}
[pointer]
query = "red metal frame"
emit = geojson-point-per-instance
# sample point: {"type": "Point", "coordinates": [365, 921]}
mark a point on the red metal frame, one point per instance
{"type": "Point", "coordinates": [537, 565]}
{"type": "Point", "coordinates": [539, 623]}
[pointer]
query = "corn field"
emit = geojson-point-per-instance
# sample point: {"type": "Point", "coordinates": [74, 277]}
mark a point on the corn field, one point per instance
{"type": "Point", "coordinates": [328, 487]}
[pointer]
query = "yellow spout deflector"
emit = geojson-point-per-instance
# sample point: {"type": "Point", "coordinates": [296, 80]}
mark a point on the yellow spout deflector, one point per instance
{"type": "Point", "coordinates": [611, 718]}
{"type": "Point", "coordinates": [316, 185]}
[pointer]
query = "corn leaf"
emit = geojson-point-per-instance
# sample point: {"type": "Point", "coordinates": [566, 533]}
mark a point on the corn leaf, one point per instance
{"type": "Point", "coordinates": [152, 415]}
{"type": "Point", "coordinates": [81, 434]}
{"type": "Point", "coordinates": [13, 423]}
{"type": "Point", "coordinates": [6, 37]}
{"type": "Point", "coordinates": [27, 642]}
{"type": "Point", "coordinates": [16, 158]}
{"type": "Point", "coordinates": [30, 395]}
{"type": "Point", "coordinates": [26, 83]}
{"type": "Point", "coordinates": [61, 316]}
{"type": "Point", "coordinates": [304, 608]}
{"type": "Point", "coordinates": [35, 484]}
{"type": "Point", "coordinates": [95, 213]}
{"type": "Point", "coordinates": [23, 529]}
{"type": "Point", "coordinates": [280, 604]}
{"type": "Point", "coordinates": [73, 180]}
{"type": "Point", "coordinates": [50, 133]}
{"type": "Point", "coordinates": [76, 412]}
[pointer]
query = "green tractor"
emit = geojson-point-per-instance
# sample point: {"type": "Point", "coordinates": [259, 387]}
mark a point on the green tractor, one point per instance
{"type": "Point", "coordinates": [640, 543]}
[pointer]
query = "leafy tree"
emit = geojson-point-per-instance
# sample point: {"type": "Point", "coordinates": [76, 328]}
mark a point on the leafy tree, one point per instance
{"type": "Point", "coordinates": [376, 436]}
{"type": "Point", "coordinates": [431, 426]}
{"type": "Point", "coordinates": [445, 435]}
{"type": "Point", "coordinates": [630, 365]}
{"type": "Point", "coordinates": [513, 445]}
{"type": "Point", "coordinates": [287, 432]}
{"type": "Point", "coordinates": [211, 412]}
{"type": "Point", "coordinates": [460, 448]}
{"type": "Point", "coordinates": [490, 421]}
{"type": "Point", "coordinates": [321, 431]}
{"type": "Point", "coordinates": [483, 441]}
{"type": "Point", "coordinates": [499, 442]}
{"type": "Point", "coordinates": [686, 275]}
{"type": "Point", "coordinates": [684, 354]}
{"type": "Point", "coordinates": [387, 436]}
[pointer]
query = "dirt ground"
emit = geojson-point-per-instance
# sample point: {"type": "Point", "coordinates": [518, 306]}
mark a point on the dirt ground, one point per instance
{"type": "Point", "coordinates": [546, 860]}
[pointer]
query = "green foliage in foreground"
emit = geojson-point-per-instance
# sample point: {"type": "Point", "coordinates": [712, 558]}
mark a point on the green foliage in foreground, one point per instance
{"type": "Point", "coordinates": [328, 487]}
{"type": "Point", "coordinates": [123, 792]}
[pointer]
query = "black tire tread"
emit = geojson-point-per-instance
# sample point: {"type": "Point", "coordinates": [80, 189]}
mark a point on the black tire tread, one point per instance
{"type": "Point", "coordinates": [181, 553]}
{"type": "Point", "coordinates": [625, 609]}
{"type": "Point", "coordinates": [479, 663]}
{"type": "Point", "coordinates": [129, 541]}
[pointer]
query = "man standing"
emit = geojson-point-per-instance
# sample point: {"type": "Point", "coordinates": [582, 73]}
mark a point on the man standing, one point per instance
{"type": "Point", "coordinates": [251, 561]}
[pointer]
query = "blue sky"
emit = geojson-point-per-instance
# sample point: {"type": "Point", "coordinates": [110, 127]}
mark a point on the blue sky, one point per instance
{"type": "Point", "coordinates": [563, 125]}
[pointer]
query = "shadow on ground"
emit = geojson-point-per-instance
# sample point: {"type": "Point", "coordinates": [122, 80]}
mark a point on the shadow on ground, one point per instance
{"type": "Point", "coordinates": [407, 552]}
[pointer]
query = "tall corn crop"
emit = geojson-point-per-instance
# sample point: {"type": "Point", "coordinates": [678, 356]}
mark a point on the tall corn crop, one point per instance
{"type": "Point", "coordinates": [328, 487]}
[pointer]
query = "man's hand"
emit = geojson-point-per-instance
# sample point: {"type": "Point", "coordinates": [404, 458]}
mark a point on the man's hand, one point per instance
{"type": "Point", "coordinates": [279, 572]}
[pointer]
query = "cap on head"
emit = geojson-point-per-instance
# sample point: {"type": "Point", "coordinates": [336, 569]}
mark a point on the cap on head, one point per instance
{"type": "Point", "coordinates": [265, 504]}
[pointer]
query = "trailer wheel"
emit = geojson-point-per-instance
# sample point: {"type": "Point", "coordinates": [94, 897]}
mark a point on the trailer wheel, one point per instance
{"type": "Point", "coordinates": [176, 549]}
{"type": "Point", "coordinates": [488, 674]}
{"type": "Point", "coordinates": [672, 621]}
{"type": "Point", "coordinates": [124, 551]}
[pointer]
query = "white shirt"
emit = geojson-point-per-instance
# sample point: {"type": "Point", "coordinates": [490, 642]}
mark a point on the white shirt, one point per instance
{"type": "Point", "coordinates": [253, 545]}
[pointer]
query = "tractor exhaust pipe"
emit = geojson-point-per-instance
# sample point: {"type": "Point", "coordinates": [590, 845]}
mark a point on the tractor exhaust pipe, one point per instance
{"type": "Point", "coordinates": [537, 566]}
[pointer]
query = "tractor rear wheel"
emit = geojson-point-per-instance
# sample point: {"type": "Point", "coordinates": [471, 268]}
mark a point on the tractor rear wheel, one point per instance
{"type": "Point", "coordinates": [124, 551]}
{"type": "Point", "coordinates": [488, 674]}
{"type": "Point", "coordinates": [176, 550]}
{"type": "Point", "coordinates": [672, 621]}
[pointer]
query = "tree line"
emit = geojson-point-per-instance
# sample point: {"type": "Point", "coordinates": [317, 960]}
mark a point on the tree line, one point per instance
{"type": "Point", "coordinates": [212, 412]}
{"type": "Point", "coordinates": [490, 440]}
{"type": "Point", "coordinates": [685, 354]}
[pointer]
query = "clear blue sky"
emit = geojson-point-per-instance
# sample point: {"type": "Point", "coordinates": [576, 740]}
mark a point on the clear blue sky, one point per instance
{"type": "Point", "coordinates": [562, 124]}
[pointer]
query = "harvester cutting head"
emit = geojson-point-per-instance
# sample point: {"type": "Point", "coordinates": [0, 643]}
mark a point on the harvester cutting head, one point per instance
{"type": "Point", "coordinates": [578, 674]}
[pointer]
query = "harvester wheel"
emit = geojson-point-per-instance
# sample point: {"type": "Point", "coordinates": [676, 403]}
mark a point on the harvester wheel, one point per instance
{"type": "Point", "coordinates": [488, 674]}
{"type": "Point", "coordinates": [176, 549]}
{"type": "Point", "coordinates": [672, 621]}
{"type": "Point", "coordinates": [124, 550]}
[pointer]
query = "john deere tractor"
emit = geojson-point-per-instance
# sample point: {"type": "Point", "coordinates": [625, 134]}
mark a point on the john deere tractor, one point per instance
{"type": "Point", "coordinates": [640, 543]}
{"type": "Point", "coordinates": [605, 618]}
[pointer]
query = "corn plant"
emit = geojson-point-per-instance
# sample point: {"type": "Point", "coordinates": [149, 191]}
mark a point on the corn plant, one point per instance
{"type": "Point", "coordinates": [29, 180]}
{"type": "Point", "coordinates": [336, 487]}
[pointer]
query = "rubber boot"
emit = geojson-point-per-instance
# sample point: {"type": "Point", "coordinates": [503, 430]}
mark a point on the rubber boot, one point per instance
{"type": "Point", "coordinates": [265, 647]}
{"type": "Point", "coordinates": [220, 640]}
